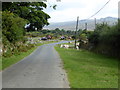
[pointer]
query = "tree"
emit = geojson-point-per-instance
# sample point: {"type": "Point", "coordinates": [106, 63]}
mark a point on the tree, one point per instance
{"type": "Point", "coordinates": [106, 39]}
{"type": "Point", "coordinates": [32, 11]}
{"type": "Point", "coordinates": [12, 27]}
{"type": "Point", "coordinates": [94, 38]}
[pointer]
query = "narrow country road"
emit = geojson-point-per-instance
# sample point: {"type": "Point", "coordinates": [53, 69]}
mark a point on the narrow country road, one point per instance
{"type": "Point", "coordinates": [41, 69]}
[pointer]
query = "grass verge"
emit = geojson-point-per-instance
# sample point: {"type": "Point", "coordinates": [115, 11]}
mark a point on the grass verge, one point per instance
{"type": "Point", "coordinates": [89, 70]}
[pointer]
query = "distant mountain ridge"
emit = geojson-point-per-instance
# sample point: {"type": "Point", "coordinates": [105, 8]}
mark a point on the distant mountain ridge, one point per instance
{"type": "Point", "coordinates": [70, 25]}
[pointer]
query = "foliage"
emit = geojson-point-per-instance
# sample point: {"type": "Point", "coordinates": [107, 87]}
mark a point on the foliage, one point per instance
{"type": "Point", "coordinates": [32, 11]}
{"type": "Point", "coordinates": [57, 33]}
{"type": "Point", "coordinates": [93, 38]}
{"type": "Point", "coordinates": [12, 27]}
{"type": "Point", "coordinates": [83, 36]}
{"type": "Point", "coordinates": [12, 33]}
{"type": "Point", "coordinates": [15, 15]}
{"type": "Point", "coordinates": [105, 39]}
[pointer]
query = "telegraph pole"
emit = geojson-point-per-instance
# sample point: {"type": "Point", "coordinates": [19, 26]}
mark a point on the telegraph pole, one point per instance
{"type": "Point", "coordinates": [95, 23]}
{"type": "Point", "coordinates": [86, 26]}
{"type": "Point", "coordinates": [76, 30]}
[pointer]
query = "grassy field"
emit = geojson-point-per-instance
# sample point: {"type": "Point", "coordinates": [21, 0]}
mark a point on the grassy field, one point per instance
{"type": "Point", "coordinates": [89, 70]}
{"type": "Point", "coordinates": [6, 62]}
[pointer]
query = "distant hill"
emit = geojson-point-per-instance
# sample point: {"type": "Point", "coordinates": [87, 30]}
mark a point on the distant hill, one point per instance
{"type": "Point", "coordinates": [72, 24]}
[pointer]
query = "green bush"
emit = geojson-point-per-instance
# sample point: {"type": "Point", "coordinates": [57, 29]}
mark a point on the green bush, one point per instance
{"type": "Point", "coordinates": [106, 39]}
{"type": "Point", "coordinates": [12, 27]}
{"type": "Point", "coordinates": [12, 33]}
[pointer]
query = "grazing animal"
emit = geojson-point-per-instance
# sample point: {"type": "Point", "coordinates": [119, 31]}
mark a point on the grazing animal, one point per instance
{"type": "Point", "coordinates": [77, 47]}
{"type": "Point", "coordinates": [61, 46]}
{"type": "Point", "coordinates": [64, 46]}
{"type": "Point", "coordinates": [77, 44]}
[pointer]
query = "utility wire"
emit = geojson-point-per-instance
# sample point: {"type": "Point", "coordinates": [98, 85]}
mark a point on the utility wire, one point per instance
{"type": "Point", "coordinates": [98, 10]}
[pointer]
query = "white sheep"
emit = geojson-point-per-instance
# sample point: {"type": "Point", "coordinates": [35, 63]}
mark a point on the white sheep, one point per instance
{"type": "Point", "coordinates": [66, 46]}
{"type": "Point", "coordinates": [1, 50]}
{"type": "Point", "coordinates": [77, 44]}
{"type": "Point", "coordinates": [77, 47]}
{"type": "Point", "coordinates": [61, 46]}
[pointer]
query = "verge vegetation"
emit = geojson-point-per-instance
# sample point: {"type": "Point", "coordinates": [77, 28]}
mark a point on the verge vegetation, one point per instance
{"type": "Point", "coordinates": [89, 70]}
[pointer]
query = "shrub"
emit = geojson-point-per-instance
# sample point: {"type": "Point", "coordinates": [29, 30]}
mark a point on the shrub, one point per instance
{"type": "Point", "coordinates": [13, 27]}
{"type": "Point", "coordinates": [106, 39]}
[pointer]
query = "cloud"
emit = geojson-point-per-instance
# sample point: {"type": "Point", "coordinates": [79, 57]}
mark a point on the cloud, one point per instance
{"type": "Point", "coordinates": [68, 10]}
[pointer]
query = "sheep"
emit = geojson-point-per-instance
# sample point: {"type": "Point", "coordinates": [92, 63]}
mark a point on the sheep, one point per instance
{"type": "Point", "coordinates": [61, 46]}
{"type": "Point", "coordinates": [64, 46]}
{"type": "Point", "coordinates": [77, 44]}
{"type": "Point", "coordinates": [1, 50]}
{"type": "Point", "coordinates": [77, 47]}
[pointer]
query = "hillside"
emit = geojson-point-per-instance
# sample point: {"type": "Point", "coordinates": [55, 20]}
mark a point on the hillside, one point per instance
{"type": "Point", "coordinates": [91, 24]}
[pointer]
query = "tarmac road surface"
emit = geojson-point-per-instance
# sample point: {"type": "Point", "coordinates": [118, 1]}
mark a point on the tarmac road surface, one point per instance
{"type": "Point", "coordinates": [41, 69]}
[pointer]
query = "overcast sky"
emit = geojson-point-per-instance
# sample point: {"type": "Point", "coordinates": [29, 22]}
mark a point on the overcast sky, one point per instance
{"type": "Point", "coordinates": [68, 10]}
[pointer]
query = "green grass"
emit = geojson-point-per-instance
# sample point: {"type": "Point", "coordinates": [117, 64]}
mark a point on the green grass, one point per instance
{"type": "Point", "coordinates": [89, 70]}
{"type": "Point", "coordinates": [8, 61]}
